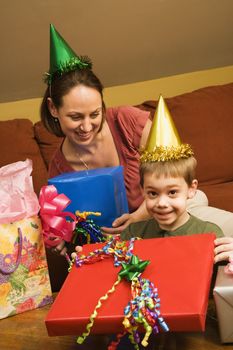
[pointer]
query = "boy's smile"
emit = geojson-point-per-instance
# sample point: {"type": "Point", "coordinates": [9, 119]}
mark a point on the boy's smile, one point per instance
{"type": "Point", "coordinates": [166, 199]}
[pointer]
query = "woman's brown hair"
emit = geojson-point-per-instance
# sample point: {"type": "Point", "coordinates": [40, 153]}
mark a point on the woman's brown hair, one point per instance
{"type": "Point", "coordinates": [61, 86]}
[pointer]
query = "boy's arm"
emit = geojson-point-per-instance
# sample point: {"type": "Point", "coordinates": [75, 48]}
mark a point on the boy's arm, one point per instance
{"type": "Point", "coordinates": [218, 231]}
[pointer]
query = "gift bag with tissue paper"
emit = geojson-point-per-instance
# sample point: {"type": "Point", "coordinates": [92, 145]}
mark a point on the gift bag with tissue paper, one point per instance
{"type": "Point", "coordinates": [24, 278]}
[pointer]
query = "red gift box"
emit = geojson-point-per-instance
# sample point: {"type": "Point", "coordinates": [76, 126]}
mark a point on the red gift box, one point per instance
{"type": "Point", "coordinates": [180, 267]}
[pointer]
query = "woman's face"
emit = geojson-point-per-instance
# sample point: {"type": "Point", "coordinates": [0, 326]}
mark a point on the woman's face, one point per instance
{"type": "Point", "coordinates": [80, 115]}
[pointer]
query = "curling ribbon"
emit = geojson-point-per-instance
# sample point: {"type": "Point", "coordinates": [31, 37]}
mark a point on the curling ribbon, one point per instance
{"type": "Point", "coordinates": [143, 309]}
{"type": "Point", "coordinates": [55, 227]}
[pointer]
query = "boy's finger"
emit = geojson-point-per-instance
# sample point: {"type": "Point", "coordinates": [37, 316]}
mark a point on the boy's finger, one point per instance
{"type": "Point", "coordinates": [222, 240]}
{"type": "Point", "coordinates": [224, 256]}
{"type": "Point", "coordinates": [78, 249]}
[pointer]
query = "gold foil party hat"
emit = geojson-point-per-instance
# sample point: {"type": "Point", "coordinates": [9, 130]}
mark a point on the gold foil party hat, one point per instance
{"type": "Point", "coordinates": [164, 142]}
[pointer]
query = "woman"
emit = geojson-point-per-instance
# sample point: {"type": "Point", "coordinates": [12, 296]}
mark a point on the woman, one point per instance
{"type": "Point", "coordinates": [73, 107]}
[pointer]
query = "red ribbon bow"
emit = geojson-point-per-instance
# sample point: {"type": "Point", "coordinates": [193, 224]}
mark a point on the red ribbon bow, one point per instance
{"type": "Point", "coordinates": [54, 224]}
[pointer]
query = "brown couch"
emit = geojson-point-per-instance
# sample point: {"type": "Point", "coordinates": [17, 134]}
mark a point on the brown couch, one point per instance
{"type": "Point", "coordinates": [203, 117]}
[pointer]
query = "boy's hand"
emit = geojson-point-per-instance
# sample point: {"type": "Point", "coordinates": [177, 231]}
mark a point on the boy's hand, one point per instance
{"type": "Point", "coordinates": [78, 249]}
{"type": "Point", "coordinates": [223, 249]}
{"type": "Point", "coordinates": [61, 248]}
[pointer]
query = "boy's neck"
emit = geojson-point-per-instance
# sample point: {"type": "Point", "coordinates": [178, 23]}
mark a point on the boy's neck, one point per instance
{"type": "Point", "coordinates": [174, 226]}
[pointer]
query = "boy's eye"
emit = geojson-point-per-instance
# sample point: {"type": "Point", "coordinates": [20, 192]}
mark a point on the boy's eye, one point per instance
{"type": "Point", "coordinates": [151, 194]}
{"type": "Point", "coordinates": [173, 192]}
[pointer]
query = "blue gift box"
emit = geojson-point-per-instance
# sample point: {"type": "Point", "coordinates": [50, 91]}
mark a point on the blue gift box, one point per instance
{"type": "Point", "coordinates": [101, 190]}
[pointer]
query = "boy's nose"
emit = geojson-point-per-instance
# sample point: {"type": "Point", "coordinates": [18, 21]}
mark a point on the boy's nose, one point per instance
{"type": "Point", "coordinates": [162, 202]}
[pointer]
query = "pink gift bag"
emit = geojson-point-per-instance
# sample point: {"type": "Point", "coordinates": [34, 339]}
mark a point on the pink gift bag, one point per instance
{"type": "Point", "coordinates": [24, 278]}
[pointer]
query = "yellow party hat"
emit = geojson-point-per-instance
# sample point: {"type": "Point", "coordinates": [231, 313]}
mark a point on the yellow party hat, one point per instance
{"type": "Point", "coordinates": [164, 142]}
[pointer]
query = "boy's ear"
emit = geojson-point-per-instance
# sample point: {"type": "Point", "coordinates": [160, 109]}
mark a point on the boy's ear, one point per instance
{"type": "Point", "coordinates": [192, 189]}
{"type": "Point", "coordinates": [52, 108]}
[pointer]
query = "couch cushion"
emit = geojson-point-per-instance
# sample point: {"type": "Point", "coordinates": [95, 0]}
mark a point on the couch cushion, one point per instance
{"type": "Point", "coordinates": [48, 142]}
{"type": "Point", "coordinates": [220, 195]}
{"type": "Point", "coordinates": [204, 118]}
{"type": "Point", "coordinates": [17, 143]}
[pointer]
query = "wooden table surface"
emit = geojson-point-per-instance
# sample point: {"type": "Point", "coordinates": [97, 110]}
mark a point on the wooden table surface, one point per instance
{"type": "Point", "coordinates": [27, 331]}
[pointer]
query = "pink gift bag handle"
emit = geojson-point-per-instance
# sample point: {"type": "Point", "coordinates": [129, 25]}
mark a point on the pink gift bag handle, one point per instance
{"type": "Point", "coordinates": [10, 268]}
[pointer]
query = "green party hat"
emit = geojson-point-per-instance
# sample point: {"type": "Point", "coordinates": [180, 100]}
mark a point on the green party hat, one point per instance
{"type": "Point", "coordinates": [164, 142]}
{"type": "Point", "coordinates": [62, 58]}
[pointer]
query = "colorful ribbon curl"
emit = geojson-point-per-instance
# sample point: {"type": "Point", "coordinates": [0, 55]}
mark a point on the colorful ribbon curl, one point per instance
{"type": "Point", "coordinates": [55, 226]}
{"type": "Point", "coordinates": [144, 308]}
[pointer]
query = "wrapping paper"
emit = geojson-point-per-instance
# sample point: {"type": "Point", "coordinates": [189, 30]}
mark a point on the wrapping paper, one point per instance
{"type": "Point", "coordinates": [98, 190]}
{"type": "Point", "coordinates": [223, 297]}
{"type": "Point", "coordinates": [181, 268]}
{"type": "Point", "coordinates": [18, 199]}
{"type": "Point", "coordinates": [28, 286]}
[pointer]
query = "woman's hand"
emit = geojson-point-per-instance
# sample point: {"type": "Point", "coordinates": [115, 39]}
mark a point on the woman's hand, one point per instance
{"type": "Point", "coordinates": [223, 249]}
{"type": "Point", "coordinates": [125, 220]}
{"type": "Point", "coordinates": [119, 224]}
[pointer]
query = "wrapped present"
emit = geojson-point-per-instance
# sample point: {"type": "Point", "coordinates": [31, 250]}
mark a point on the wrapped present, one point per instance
{"type": "Point", "coordinates": [180, 267]}
{"type": "Point", "coordinates": [223, 297]}
{"type": "Point", "coordinates": [97, 190]}
{"type": "Point", "coordinates": [59, 225]}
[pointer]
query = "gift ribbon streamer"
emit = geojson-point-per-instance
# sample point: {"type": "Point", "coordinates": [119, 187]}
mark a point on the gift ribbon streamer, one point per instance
{"type": "Point", "coordinates": [143, 309]}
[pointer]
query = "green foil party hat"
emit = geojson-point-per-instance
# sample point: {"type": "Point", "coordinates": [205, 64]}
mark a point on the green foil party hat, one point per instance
{"type": "Point", "coordinates": [62, 58]}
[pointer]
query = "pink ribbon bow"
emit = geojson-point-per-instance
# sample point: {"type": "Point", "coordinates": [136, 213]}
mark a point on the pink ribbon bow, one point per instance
{"type": "Point", "coordinates": [54, 224]}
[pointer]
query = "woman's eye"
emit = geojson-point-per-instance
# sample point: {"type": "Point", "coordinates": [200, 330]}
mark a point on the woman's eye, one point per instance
{"type": "Point", "coordinates": [74, 117]}
{"type": "Point", "coordinates": [95, 115]}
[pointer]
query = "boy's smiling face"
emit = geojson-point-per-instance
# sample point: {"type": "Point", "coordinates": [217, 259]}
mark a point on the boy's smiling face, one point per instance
{"type": "Point", "coordinates": [166, 199]}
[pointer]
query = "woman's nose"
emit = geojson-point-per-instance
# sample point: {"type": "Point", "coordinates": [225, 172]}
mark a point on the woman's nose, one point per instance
{"type": "Point", "coordinates": [86, 125]}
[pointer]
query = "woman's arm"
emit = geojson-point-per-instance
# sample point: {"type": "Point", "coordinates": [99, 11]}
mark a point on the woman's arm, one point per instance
{"type": "Point", "coordinates": [145, 133]}
{"type": "Point", "coordinates": [139, 214]}
{"type": "Point", "coordinates": [124, 220]}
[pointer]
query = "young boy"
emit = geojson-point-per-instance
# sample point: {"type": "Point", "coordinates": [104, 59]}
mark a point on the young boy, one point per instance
{"type": "Point", "coordinates": [167, 174]}
{"type": "Point", "coordinates": [166, 187]}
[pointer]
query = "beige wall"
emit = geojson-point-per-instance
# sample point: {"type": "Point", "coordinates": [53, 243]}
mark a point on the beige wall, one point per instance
{"type": "Point", "coordinates": [132, 93]}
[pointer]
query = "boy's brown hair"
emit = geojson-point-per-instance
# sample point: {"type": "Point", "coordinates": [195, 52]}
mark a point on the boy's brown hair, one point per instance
{"type": "Point", "coordinates": [183, 167]}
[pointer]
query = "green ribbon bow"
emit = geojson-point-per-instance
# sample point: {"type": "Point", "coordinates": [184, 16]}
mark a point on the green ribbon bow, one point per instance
{"type": "Point", "coordinates": [134, 268]}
